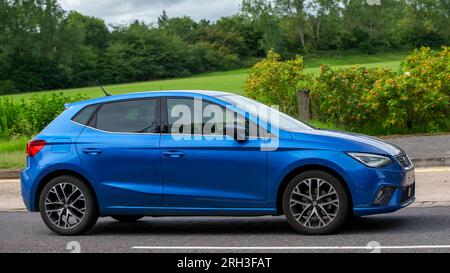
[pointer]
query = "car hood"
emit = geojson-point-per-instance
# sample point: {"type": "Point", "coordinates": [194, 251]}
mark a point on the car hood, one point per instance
{"type": "Point", "coordinates": [348, 142]}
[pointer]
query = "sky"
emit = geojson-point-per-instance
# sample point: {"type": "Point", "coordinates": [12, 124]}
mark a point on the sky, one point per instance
{"type": "Point", "coordinates": [126, 11]}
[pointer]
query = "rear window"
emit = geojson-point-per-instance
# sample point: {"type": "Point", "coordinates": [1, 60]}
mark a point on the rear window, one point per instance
{"type": "Point", "coordinates": [134, 116]}
{"type": "Point", "coordinates": [85, 115]}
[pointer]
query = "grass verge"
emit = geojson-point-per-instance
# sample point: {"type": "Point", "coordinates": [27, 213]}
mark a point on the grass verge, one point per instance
{"type": "Point", "coordinates": [12, 153]}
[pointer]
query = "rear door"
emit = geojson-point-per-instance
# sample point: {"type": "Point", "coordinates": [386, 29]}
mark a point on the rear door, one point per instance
{"type": "Point", "coordinates": [120, 150]}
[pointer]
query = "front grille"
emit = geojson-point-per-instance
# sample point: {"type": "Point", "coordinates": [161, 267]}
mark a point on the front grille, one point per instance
{"type": "Point", "coordinates": [408, 193]}
{"type": "Point", "coordinates": [404, 161]}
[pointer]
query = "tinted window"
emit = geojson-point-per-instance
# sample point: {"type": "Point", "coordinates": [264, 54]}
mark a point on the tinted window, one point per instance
{"type": "Point", "coordinates": [211, 121]}
{"type": "Point", "coordinates": [85, 115]}
{"type": "Point", "coordinates": [180, 113]}
{"type": "Point", "coordinates": [138, 116]}
{"type": "Point", "coordinates": [266, 113]}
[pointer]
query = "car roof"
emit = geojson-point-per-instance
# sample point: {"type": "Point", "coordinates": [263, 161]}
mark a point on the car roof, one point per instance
{"type": "Point", "coordinates": [146, 94]}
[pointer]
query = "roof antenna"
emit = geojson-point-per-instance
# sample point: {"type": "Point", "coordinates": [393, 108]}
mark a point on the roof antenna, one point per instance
{"type": "Point", "coordinates": [104, 91]}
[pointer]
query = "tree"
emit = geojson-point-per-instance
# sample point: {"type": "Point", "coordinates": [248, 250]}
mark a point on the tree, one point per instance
{"type": "Point", "coordinates": [429, 22]}
{"type": "Point", "coordinates": [295, 13]}
{"type": "Point", "coordinates": [44, 47]}
{"type": "Point", "coordinates": [183, 27]}
{"type": "Point", "coordinates": [247, 35]}
{"type": "Point", "coordinates": [263, 16]}
{"type": "Point", "coordinates": [326, 24]}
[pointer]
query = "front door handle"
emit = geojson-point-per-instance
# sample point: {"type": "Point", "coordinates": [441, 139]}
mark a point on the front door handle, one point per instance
{"type": "Point", "coordinates": [92, 151]}
{"type": "Point", "coordinates": [174, 154]}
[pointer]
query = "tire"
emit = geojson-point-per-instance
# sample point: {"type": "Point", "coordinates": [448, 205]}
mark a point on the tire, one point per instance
{"type": "Point", "coordinates": [127, 218]}
{"type": "Point", "coordinates": [62, 203]}
{"type": "Point", "coordinates": [312, 214]}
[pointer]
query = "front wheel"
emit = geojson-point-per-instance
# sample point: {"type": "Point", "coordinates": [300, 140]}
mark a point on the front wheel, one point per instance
{"type": "Point", "coordinates": [315, 203]}
{"type": "Point", "coordinates": [67, 206]}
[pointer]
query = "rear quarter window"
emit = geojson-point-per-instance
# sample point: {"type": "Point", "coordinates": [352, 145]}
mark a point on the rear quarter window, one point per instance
{"type": "Point", "coordinates": [85, 114]}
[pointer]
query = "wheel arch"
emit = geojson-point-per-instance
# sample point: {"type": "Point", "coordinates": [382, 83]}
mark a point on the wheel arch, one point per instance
{"type": "Point", "coordinates": [311, 167]}
{"type": "Point", "coordinates": [63, 172]}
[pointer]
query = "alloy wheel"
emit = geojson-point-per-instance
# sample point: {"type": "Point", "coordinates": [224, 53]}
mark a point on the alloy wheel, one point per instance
{"type": "Point", "coordinates": [314, 203]}
{"type": "Point", "coordinates": [65, 205]}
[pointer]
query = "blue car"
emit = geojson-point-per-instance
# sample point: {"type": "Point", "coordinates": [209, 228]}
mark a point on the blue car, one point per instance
{"type": "Point", "coordinates": [204, 153]}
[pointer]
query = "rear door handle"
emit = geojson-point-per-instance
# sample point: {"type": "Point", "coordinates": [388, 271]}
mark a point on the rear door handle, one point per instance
{"type": "Point", "coordinates": [92, 151]}
{"type": "Point", "coordinates": [174, 154]}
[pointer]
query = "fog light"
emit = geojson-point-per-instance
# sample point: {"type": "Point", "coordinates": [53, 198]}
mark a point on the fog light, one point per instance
{"type": "Point", "coordinates": [383, 196]}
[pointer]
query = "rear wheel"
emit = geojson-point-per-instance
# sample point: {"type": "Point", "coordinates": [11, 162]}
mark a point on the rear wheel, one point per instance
{"type": "Point", "coordinates": [315, 203]}
{"type": "Point", "coordinates": [67, 206]}
{"type": "Point", "coordinates": [127, 218]}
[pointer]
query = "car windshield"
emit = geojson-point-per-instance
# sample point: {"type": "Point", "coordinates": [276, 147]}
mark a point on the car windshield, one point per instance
{"type": "Point", "coordinates": [263, 111]}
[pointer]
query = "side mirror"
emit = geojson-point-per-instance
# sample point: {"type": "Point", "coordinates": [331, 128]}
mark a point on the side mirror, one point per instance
{"type": "Point", "coordinates": [239, 133]}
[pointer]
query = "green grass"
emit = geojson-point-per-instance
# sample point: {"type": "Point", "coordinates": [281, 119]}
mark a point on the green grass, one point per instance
{"type": "Point", "coordinates": [12, 160]}
{"type": "Point", "coordinates": [230, 81]}
{"type": "Point", "coordinates": [12, 153]}
{"type": "Point", "coordinates": [382, 59]}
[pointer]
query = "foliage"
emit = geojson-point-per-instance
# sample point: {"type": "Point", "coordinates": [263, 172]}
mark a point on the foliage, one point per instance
{"type": "Point", "coordinates": [13, 144]}
{"type": "Point", "coordinates": [337, 94]}
{"type": "Point", "coordinates": [42, 47]}
{"type": "Point", "coordinates": [366, 100]}
{"type": "Point", "coordinates": [275, 82]}
{"type": "Point", "coordinates": [26, 118]}
{"type": "Point", "coordinates": [230, 81]}
{"type": "Point", "coordinates": [418, 96]}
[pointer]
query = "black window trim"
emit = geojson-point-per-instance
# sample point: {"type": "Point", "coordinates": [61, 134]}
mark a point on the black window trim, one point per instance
{"type": "Point", "coordinates": [92, 123]}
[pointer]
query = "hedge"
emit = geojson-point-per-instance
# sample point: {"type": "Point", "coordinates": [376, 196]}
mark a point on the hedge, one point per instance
{"type": "Point", "coordinates": [28, 117]}
{"type": "Point", "coordinates": [414, 99]}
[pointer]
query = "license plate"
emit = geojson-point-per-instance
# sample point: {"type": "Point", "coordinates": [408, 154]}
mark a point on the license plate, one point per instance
{"type": "Point", "coordinates": [410, 178]}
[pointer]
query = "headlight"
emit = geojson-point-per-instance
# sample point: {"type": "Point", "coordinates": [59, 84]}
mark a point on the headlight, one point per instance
{"type": "Point", "coordinates": [372, 160]}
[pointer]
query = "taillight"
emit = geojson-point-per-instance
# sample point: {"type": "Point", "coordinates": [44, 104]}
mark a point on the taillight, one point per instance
{"type": "Point", "coordinates": [35, 146]}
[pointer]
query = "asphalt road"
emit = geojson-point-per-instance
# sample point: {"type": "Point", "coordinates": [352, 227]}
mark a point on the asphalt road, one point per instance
{"type": "Point", "coordinates": [409, 230]}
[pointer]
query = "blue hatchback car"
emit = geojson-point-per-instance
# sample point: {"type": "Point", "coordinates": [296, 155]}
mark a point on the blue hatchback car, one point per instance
{"type": "Point", "coordinates": [204, 153]}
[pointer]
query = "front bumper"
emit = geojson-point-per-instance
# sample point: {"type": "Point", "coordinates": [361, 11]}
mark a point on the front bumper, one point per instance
{"type": "Point", "coordinates": [401, 198]}
{"type": "Point", "coordinates": [393, 190]}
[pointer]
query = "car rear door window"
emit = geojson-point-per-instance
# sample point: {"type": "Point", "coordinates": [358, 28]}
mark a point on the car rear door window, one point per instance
{"type": "Point", "coordinates": [132, 116]}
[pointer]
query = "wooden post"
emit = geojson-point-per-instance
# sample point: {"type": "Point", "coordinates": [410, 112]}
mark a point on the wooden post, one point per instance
{"type": "Point", "coordinates": [304, 105]}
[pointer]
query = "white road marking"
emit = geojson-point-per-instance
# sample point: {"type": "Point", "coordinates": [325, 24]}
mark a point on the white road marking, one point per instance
{"type": "Point", "coordinates": [291, 247]}
{"type": "Point", "coordinates": [433, 170]}
{"type": "Point", "coordinates": [9, 181]}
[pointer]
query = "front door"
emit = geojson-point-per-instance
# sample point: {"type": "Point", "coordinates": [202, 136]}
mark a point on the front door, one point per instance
{"type": "Point", "coordinates": [205, 172]}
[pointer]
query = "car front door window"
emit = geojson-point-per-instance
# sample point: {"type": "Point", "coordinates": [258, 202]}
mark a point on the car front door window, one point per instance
{"type": "Point", "coordinates": [212, 120]}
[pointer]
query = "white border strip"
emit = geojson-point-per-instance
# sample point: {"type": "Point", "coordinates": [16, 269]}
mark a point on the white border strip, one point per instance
{"type": "Point", "coordinates": [291, 247]}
